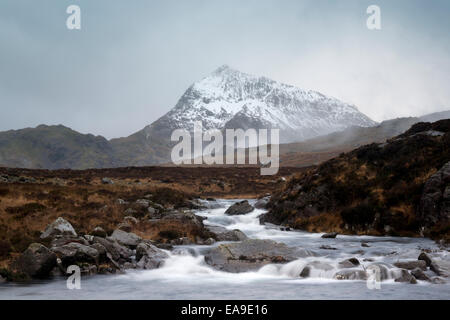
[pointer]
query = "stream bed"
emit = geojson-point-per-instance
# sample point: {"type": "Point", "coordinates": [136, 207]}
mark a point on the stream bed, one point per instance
{"type": "Point", "coordinates": [185, 275]}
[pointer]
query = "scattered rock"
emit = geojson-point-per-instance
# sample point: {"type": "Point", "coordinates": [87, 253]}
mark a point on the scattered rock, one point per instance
{"type": "Point", "coordinates": [131, 220]}
{"type": "Point", "coordinates": [143, 203]}
{"type": "Point", "coordinates": [127, 239]}
{"type": "Point", "coordinates": [2, 280]}
{"type": "Point", "coordinates": [248, 255]}
{"type": "Point", "coordinates": [365, 245]}
{"type": "Point", "coordinates": [59, 241]}
{"type": "Point", "coordinates": [59, 227]}
{"type": "Point", "coordinates": [130, 212]}
{"type": "Point", "coordinates": [124, 226]}
{"type": "Point", "coordinates": [239, 208]}
{"type": "Point", "coordinates": [121, 202]}
{"type": "Point", "coordinates": [99, 232]}
{"type": "Point", "coordinates": [330, 235]}
{"type": "Point", "coordinates": [37, 261]}
{"type": "Point", "coordinates": [209, 241]}
{"type": "Point", "coordinates": [411, 265]}
{"type": "Point", "coordinates": [107, 181]}
{"type": "Point", "coordinates": [74, 253]}
{"type": "Point", "coordinates": [115, 250]}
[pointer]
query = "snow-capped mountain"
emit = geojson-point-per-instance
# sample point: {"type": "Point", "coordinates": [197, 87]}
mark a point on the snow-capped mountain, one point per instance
{"type": "Point", "coordinates": [228, 98]}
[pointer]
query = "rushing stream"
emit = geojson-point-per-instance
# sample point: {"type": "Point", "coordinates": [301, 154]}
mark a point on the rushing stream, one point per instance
{"type": "Point", "coordinates": [185, 275]}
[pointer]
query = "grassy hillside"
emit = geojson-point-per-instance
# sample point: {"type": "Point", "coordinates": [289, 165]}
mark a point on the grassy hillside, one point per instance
{"type": "Point", "coordinates": [54, 147]}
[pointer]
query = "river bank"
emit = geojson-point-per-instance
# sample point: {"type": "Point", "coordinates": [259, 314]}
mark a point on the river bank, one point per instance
{"type": "Point", "coordinates": [186, 275]}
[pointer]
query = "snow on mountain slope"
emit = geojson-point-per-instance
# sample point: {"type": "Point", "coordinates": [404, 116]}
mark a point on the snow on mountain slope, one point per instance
{"type": "Point", "coordinates": [231, 99]}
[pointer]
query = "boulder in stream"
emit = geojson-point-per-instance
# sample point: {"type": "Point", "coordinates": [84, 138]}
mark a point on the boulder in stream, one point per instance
{"type": "Point", "coordinates": [223, 234]}
{"type": "Point", "coordinates": [239, 208]}
{"type": "Point", "coordinates": [411, 265]}
{"type": "Point", "coordinates": [248, 255]}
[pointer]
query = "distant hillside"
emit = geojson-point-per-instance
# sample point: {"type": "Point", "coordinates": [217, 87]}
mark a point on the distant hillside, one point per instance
{"type": "Point", "coordinates": [317, 150]}
{"type": "Point", "coordinates": [58, 147]}
{"type": "Point", "coordinates": [54, 147]}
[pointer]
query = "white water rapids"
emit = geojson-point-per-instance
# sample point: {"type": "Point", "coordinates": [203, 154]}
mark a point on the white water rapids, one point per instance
{"type": "Point", "coordinates": [185, 275]}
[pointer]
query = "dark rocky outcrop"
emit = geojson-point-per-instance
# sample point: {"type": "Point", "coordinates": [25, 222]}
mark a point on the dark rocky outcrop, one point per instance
{"type": "Point", "coordinates": [435, 200]}
{"type": "Point", "coordinates": [400, 187]}
{"type": "Point", "coordinates": [239, 208]}
{"type": "Point", "coordinates": [36, 262]}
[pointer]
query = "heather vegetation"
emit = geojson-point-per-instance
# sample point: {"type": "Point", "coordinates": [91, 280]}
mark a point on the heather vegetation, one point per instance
{"type": "Point", "coordinates": [376, 189]}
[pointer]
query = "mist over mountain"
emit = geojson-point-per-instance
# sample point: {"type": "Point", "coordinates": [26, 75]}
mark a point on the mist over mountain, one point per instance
{"type": "Point", "coordinates": [226, 99]}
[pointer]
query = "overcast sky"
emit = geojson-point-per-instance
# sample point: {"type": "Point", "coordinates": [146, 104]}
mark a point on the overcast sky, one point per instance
{"type": "Point", "coordinates": [132, 60]}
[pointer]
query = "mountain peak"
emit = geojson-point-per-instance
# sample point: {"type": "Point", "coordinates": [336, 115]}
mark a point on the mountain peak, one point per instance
{"type": "Point", "coordinates": [222, 68]}
{"type": "Point", "coordinates": [230, 98]}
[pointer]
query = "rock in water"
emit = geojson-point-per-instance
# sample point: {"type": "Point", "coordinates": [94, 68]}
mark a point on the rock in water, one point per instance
{"type": "Point", "coordinates": [149, 256]}
{"type": "Point", "coordinates": [351, 275]}
{"type": "Point", "coordinates": [59, 227]}
{"type": "Point", "coordinates": [239, 208]}
{"type": "Point", "coordinates": [248, 255]}
{"type": "Point", "coordinates": [405, 276]}
{"type": "Point", "coordinates": [315, 265]}
{"type": "Point", "coordinates": [262, 203]}
{"type": "Point", "coordinates": [330, 235]}
{"type": "Point", "coordinates": [411, 265]}
{"type": "Point", "coordinates": [349, 263]}
{"type": "Point", "coordinates": [223, 234]}
{"type": "Point", "coordinates": [423, 256]}
{"type": "Point", "coordinates": [441, 268]}
{"type": "Point", "coordinates": [36, 262]}
{"type": "Point", "coordinates": [420, 275]}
